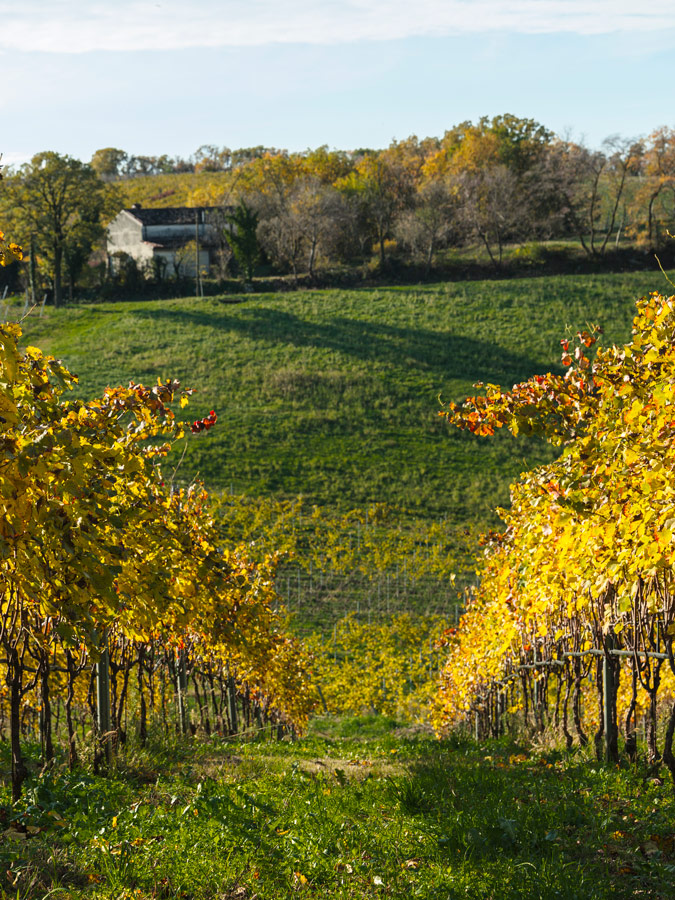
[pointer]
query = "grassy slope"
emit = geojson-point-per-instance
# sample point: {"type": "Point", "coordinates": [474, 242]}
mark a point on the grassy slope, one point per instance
{"type": "Point", "coordinates": [357, 811]}
{"type": "Point", "coordinates": [334, 394]}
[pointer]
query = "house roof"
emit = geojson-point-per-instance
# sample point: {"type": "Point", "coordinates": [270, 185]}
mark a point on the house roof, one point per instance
{"type": "Point", "coordinates": [169, 215]}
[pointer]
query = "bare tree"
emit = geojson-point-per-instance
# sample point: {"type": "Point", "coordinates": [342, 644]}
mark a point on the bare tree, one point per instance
{"type": "Point", "coordinates": [566, 189]}
{"type": "Point", "coordinates": [302, 222]}
{"type": "Point", "coordinates": [427, 227]}
{"type": "Point", "coordinates": [623, 159]}
{"type": "Point", "coordinates": [282, 239]}
{"type": "Point", "coordinates": [493, 207]}
{"type": "Point", "coordinates": [657, 185]}
{"type": "Point", "coordinates": [318, 211]}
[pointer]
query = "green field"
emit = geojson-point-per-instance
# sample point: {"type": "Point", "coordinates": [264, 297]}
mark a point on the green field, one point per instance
{"type": "Point", "coordinates": [334, 395]}
{"type": "Point", "coordinates": [361, 808]}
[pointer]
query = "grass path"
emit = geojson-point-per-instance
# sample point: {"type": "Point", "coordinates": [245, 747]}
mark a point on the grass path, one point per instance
{"type": "Point", "coordinates": [358, 809]}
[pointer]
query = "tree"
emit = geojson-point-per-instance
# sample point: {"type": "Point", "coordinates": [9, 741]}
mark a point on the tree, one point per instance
{"type": "Point", "coordinates": [282, 238]}
{"type": "Point", "coordinates": [491, 165]}
{"type": "Point", "coordinates": [623, 159]}
{"type": "Point", "coordinates": [109, 162]}
{"type": "Point", "coordinates": [428, 225]}
{"type": "Point", "coordinates": [520, 142]}
{"type": "Point", "coordinates": [585, 188]}
{"type": "Point", "coordinates": [243, 238]}
{"type": "Point", "coordinates": [568, 188]}
{"type": "Point", "coordinates": [504, 140]}
{"type": "Point", "coordinates": [657, 185]}
{"type": "Point", "coordinates": [59, 201]}
{"type": "Point", "coordinates": [326, 165]}
{"type": "Point", "coordinates": [221, 250]}
{"type": "Point", "coordinates": [305, 223]}
{"type": "Point", "coordinates": [493, 208]}
{"type": "Point", "coordinates": [381, 186]}
{"type": "Point", "coordinates": [210, 158]}
{"type": "Point", "coordinates": [314, 206]}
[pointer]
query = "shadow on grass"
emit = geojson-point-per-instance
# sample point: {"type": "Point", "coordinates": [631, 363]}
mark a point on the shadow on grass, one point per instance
{"type": "Point", "coordinates": [553, 828]}
{"type": "Point", "coordinates": [442, 353]}
{"type": "Point", "coordinates": [437, 820]}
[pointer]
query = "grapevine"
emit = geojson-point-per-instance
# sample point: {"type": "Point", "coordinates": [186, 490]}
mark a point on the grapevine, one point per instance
{"type": "Point", "coordinates": [98, 557]}
{"type": "Point", "coordinates": [583, 573]}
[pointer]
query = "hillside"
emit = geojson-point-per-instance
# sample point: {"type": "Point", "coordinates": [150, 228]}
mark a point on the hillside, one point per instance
{"type": "Point", "coordinates": [184, 189]}
{"type": "Point", "coordinates": [335, 395]}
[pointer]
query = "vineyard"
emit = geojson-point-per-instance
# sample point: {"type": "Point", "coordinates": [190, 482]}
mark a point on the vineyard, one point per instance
{"type": "Point", "coordinates": [180, 668]}
{"type": "Point", "coordinates": [365, 563]}
{"type": "Point", "coordinates": [574, 618]}
{"type": "Point", "coordinates": [107, 568]}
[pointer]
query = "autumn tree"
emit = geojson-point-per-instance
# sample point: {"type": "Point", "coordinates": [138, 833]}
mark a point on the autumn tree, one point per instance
{"type": "Point", "coordinates": [210, 158]}
{"type": "Point", "coordinates": [270, 178]}
{"type": "Point", "coordinates": [109, 163]}
{"type": "Point", "coordinates": [60, 202]}
{"type": "Point", "coordinates": [326, 165]}
{"type": "Point", "coordinates": [490, 165]}
{"type": "Point", "coordinates": [507, 140]}
{"type": "Point", "coordinates": [520, 142]}
{"type": "Point", "coordinates": [380, 187]}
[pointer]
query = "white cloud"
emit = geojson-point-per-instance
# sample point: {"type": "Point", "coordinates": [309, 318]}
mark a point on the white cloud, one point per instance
{"type": "Point", "coordinates": [77, 26]}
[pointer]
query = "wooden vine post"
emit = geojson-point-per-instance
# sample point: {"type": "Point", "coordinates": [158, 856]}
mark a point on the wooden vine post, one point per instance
{"type": "Point", "coordinates": [609, 703]}
{"type": "Point", "coordinates": [103, 701]}
{"type": "Point", "coordinates": [232, 702]}
{"type": "Point", "coordinates": [181, 692]}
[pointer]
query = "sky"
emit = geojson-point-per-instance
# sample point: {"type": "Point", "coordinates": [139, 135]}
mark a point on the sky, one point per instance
{"type": "Point", "coordinates": [162, 76]}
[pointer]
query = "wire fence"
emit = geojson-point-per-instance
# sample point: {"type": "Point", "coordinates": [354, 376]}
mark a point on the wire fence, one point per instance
{"type": "Point", "coordinates": [317, 599]}
{"type": "Point", "coordinates": [495, 713]}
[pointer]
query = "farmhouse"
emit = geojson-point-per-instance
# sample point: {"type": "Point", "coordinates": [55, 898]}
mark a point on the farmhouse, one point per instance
{"type": "Point", "coordinates": [166, 240]}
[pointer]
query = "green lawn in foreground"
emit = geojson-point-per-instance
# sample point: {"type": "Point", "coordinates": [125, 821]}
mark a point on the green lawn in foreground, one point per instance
{"type": "Point", "coordinates": [358, 809]}
{"type": "Point", "coordinates": [334, 394]}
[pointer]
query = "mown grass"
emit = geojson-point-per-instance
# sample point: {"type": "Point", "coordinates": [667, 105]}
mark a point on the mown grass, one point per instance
{"type": "Point", "coordinates": [335, 394]}
{"type": "Point", "coordinates": [358, 809]}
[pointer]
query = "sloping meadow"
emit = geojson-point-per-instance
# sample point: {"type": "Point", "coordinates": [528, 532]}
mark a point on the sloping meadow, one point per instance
{"type": "Point", "coordinates": [334, 395]}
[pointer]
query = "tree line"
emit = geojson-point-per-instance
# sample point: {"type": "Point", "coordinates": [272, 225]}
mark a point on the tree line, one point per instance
{"type": "Point", "coordinates": [498, 182]}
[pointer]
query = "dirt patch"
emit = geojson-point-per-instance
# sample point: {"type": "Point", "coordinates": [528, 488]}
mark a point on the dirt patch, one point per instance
{"type": "Point", "coordinates": [337, 767]}
{"type": "Point", "coordinates": [414, 731]}
{"type": "Point", "coordinates": [350, 769]}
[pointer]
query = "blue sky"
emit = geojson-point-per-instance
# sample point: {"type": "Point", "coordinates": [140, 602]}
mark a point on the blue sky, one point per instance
{"type": "Point", "coordinates": [165, 77]}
